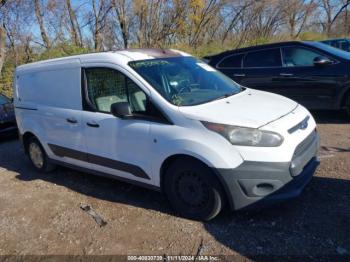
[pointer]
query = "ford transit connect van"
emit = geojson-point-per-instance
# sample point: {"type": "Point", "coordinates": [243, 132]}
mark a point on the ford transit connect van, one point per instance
{"type": "Point", "coordinates": [165, 120]}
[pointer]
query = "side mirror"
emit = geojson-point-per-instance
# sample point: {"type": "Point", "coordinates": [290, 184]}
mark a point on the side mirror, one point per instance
{"type": "Point", "coordinates": [322, 61]}
{"type": "Point", "coordinates": [121, 110]}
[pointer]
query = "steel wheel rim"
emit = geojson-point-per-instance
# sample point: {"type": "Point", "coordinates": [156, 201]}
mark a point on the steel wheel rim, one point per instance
{"type": "Point", "coordinates": [199, 198]}
{"type": "Point", "coordinates": [36, 155]}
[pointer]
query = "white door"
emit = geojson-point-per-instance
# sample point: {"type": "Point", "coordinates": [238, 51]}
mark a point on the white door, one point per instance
{"type": "Point", "coordinates": [64, 135]}
{"type": "Point", "coordinates": [61, 114]}
{"type": "Point", "coordinates": [117, 146]}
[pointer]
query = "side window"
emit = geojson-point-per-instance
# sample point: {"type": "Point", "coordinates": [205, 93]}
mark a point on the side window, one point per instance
{"type": "Point", "coordinates": [107, 86]}
{"type": "Point", "coordinates": [137, 98]}
{"type": "Point", "coordinates": [298, 56]}
{"type": "Point", "coordinates": [334, 43]}
{"type": "Point", "coordinates": [231, 61]}
{"type": "Point", "coordinates": [345, 45]}
{"type": "Point", "coordinates": [265, 58]}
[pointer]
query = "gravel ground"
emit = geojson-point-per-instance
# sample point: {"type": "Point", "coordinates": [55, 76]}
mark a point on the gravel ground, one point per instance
{"type": "Point", "coordinates": [41, 214]}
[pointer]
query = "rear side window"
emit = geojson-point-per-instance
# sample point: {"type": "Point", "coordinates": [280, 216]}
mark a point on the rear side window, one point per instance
{"type": "Point", "coordinates": [264, 58]}
{"type": "Point", "coordinates": [107, 86]}
{"type": "Point", "coordinates": [298, 56]}
{"type": "Point", "coordinates": [231, 61]}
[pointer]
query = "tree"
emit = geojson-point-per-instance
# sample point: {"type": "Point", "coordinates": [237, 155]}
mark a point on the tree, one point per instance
{"type": "Point", "coordinates": [75, 30]}
{"type": "Point", "coordinates": [97, 21]}
{"type": "Point", "coordinates": [3, 13]}
{"type": "Point", "coordinates": [123, 11]}
{"type": "Point", "coordinates": [158, 22]}
{"type": "Point", "coordinates": [39, 17]}
{"type": "Point", "coordinates": [296, 14]}
{"type": "Point", "coordinates": [201, 14]}
{"type": "Point", "coordinates": [234, 11]}
{"type": "Point", "coordinates": [332, 10]}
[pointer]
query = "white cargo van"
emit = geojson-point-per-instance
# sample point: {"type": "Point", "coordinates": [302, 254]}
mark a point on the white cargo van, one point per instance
{"type": "Point", "coordinates": [168, 121]}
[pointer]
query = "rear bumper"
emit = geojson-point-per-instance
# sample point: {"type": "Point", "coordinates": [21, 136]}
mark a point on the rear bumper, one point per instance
{"type": "Point", "coordinates": [258, 184]}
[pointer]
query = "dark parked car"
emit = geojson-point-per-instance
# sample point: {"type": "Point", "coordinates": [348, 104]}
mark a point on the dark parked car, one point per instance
{"type": "Point", "coordinates": [341, 43]}
{"type": "Point", "coordinates": [314, 74]}
{"type": "Point", "coordinates": [7, 116]}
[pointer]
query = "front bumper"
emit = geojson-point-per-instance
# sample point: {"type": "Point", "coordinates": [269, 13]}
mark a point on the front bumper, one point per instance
{"type": "Point", "coordinates": [257, 184]}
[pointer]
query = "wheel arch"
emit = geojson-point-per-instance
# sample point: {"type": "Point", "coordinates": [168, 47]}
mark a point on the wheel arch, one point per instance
{"type": "Point", "coordinates": [25, 140]}
{"type": "Point", "coordinates": [169, 160]}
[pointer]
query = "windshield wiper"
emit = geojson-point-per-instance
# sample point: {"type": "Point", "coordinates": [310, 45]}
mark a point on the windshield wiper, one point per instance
{"type": "Point", "coordinates": [224, 96]}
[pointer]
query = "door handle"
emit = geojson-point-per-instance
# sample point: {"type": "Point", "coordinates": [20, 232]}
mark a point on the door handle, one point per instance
{"type": "Point", "coordinates": [72, 120]}
{"type": "Point", "coordinates": [239, 75]}
{"type": "Point", "coordinates": [286, 74]}
{"type": "Point", "coordinates": [92, 124]}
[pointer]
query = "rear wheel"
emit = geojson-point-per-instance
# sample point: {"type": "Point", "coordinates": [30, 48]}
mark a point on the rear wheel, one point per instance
{"type": "Point", "coordinates": [193, 190]}
{"type": "Point", "coordinates": [38, 156]}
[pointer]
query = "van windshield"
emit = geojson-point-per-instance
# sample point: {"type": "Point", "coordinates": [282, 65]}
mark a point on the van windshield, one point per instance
{"type": "Point", "coordinates": [185, 81]}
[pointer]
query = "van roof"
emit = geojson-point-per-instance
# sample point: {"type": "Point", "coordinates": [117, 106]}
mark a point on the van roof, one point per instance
{"type": "Point", "coordinates": [121, 57]}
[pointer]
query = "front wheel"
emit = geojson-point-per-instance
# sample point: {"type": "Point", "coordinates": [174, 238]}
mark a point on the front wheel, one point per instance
{"type": "Point", "coordinates": [192, 189]}
{"type": "Point", "coordinates": [38, 156]}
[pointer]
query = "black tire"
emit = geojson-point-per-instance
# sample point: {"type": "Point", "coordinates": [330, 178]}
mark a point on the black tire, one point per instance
{"type": "Point", "coordinates": [193, 190]}
{"type": "Point", "coordinates": [45, 166]}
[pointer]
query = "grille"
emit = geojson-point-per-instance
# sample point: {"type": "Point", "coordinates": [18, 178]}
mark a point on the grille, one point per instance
{"type": "Point", "coordinates": [302, 125]}
{"type": "Point", "coordinates": [303, 153]}
{"type": "Point", "coordinates": [305, 144]}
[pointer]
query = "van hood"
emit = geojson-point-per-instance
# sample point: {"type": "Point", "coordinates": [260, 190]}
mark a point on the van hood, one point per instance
{"type": "Point", "coordinates": [250, 108]}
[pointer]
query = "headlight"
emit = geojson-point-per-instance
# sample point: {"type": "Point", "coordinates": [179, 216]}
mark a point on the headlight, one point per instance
{"type": "Point", "coordinates": [244, 136]}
